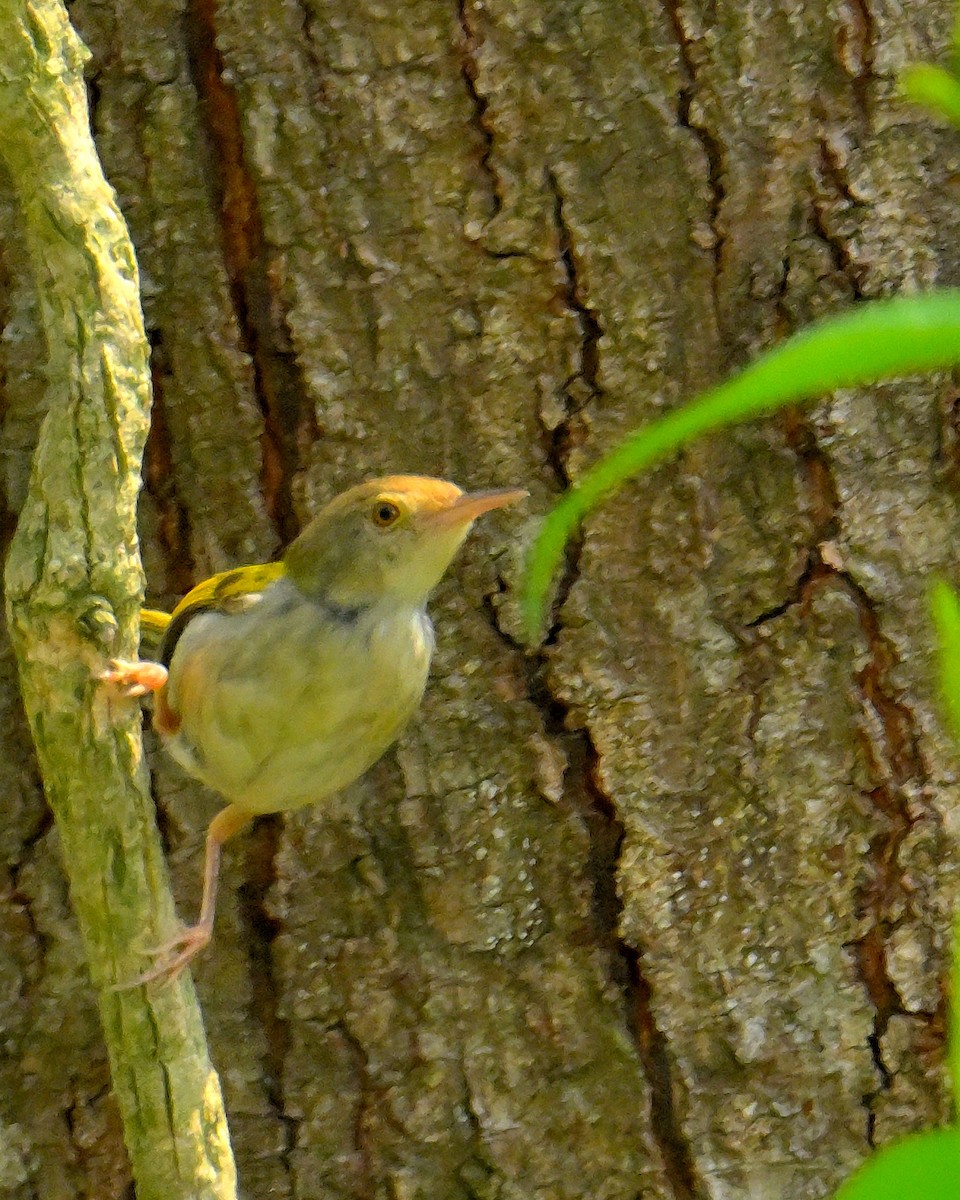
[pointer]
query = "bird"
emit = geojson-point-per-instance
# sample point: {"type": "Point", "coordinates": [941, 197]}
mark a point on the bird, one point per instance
{"type": "Point", "coordinates": [279, 684]}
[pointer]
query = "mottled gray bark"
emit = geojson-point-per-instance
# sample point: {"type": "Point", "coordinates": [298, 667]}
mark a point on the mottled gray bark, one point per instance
{"type": "Point", "coordinates": [658, 908]}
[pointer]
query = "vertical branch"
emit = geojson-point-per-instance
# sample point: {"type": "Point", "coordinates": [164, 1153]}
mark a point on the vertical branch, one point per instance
{"type": "Point", "coordinates": [73, 588]}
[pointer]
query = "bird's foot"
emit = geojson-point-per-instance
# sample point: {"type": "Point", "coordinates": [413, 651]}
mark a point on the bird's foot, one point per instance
{"type": "Point", "coordinates": [134, 679]}
{"type": "Point", "coordinates": [171, 957]}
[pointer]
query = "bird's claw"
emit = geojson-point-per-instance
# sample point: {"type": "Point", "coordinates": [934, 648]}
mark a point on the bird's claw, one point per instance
{"type": "Point", "coordinates": [133, 679]}
{"type": "Point", "coordinates": [191, 940]}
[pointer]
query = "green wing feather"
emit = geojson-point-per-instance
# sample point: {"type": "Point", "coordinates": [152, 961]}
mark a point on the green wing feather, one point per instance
{"type": "Point", "coordinates": [225, 592]}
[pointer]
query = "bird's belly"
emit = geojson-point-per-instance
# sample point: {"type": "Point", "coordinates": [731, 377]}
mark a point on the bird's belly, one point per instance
{"type": "Point", "coordinates": [319, 757]}
{"type": "Point", "coordinates": [302, 718]}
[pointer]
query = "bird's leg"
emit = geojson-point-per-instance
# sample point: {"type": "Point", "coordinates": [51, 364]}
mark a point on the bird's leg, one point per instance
{"type": "Point", "coordinates": [192, 938]}
{"type": "Point", "coordinates": [134, 678]}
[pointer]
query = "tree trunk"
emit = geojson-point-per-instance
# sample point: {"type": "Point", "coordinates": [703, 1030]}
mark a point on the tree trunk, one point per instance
{"type": "Point", "coordinates": [659, 908]}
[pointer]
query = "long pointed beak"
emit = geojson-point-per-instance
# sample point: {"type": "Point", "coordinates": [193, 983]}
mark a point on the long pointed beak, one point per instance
{"type": "Point", "coordinates": [470, 505]}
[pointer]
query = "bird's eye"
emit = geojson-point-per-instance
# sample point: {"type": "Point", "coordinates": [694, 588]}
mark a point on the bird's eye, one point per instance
{"type": "Point", "coordinates": [385, 513]}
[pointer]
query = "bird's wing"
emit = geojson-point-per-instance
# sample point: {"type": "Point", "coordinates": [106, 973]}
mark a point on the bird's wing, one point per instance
{"type": "Point", "coordinates": [229, 592]}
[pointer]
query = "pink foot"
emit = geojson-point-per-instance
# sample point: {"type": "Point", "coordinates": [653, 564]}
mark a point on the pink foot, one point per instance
{"type": "Point", "coordinates": [134, 679]}
{"type": "Point", "coordinates": [190, 941]}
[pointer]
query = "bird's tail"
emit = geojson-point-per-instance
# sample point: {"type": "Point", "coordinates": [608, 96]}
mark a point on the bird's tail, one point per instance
{"type": "Point", "coordinates": [153, 624]}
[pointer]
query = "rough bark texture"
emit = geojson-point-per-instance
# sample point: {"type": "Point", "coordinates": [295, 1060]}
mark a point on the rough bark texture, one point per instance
{"type": "Point", "coordinates": [659, 908]}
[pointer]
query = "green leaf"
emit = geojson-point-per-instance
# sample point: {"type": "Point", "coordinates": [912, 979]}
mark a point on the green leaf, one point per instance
{"type": "Point", "coordinates": [953, 1045]}
{"type": "Point", "coordinates": [877, 340]}
{"type": "Point", "coordinates": [923, 1167]}
{"type": "Point", "coordinates": [934, 88]}
{"type": "Point", "coordinates": [945, 611]}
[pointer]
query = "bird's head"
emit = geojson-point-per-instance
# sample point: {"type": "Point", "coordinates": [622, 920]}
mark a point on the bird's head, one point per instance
{"type": "Point", "coordinates": [389, 538]}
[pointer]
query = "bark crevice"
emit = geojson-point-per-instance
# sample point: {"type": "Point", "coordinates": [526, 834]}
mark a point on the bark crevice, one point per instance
{"type": "Point", "coordinates": [690, 117]}
{"type": "Point", "coordinates": [160, 483]}
{"type": "Point", "coordinates": [889, 738]}
{"type": "Point", "coordinates": [470, 72]}
{"type": "Point", "coordinates": [365, 1176]}
{"type": "Point", "coordinates": [583, 385]}
{"type": "Point", "coordinates": [265, 986]}
{"type": "Point", "coordinates": [577, 391]}
{"type": "Point", "coordinates": [279, 386]}
{"type": "Point", "coordinates": [584, 794]}
{"type": "Point", "coordinates": [856, 50]}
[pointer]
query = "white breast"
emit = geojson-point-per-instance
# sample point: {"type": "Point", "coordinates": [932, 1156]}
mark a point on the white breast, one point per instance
{"type": "Point", "coordinates": [287, 703]}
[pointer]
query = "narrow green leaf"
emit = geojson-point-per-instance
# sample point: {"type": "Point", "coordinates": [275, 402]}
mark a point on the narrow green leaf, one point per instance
{"type": "Point", "coordinates": [879, 340]}
{"type": "Point", "coordinates": [945, 611]}
{"type": "Point", "coordinates": [934, 88]}
{"type": "Point", "coordinates": [923, 1167]}
{"type": "Point", "coordinates": [953, 1045]}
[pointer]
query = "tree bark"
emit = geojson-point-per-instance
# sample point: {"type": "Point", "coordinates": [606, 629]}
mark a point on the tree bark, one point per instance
{"type": "Point", "coordinates": [661, 906]}
{"type": "Point", "coordinates": [73, 589]}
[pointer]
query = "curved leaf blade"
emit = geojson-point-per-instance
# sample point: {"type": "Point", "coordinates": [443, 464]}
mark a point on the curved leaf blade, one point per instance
{"type": "Point", "coordinates": [882, 339]}
{"type": "Point", "coordinates": [923, 1167]}
{"type": "Point", "coordinates": [934, 88]}
{"type": "Point", "coordinates": [945, 612]}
